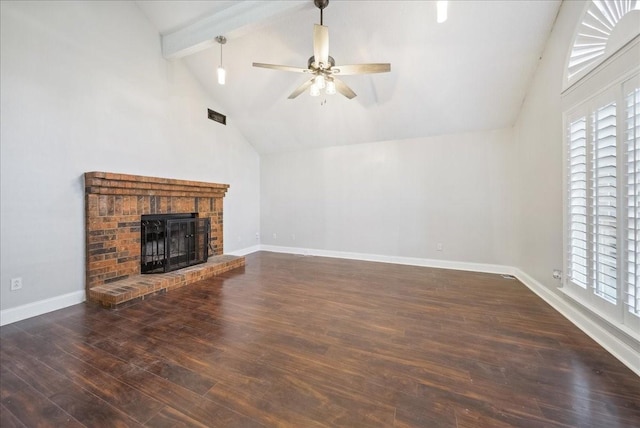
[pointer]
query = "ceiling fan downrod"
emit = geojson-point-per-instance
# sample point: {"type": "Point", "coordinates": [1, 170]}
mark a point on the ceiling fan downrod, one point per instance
{"type": "Point", "coordinates": [321, 4]}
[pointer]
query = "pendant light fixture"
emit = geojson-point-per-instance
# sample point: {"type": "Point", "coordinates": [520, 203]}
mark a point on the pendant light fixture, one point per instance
{"type": "Point", "coordinates": [222, 73]}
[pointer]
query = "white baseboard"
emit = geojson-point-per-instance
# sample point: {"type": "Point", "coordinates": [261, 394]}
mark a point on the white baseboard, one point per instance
{"type": "Point", "coordinates": [411, 261]}
{"type": "Point", "coordinates": [29, 310]}
{"type": "Point", "coordinates": [244, 251]}
{"type": "Point", "coordinates": [616, 347]}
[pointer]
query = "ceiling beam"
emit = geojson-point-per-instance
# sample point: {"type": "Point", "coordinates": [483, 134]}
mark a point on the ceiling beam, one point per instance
{"type": "Point", "coordinates": [230, 22]}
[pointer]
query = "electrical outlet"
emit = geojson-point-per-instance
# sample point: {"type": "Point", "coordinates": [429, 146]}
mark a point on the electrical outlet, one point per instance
{"type": "Point", "coordinates": [557, 274]}
{"type": "Point", "coordinates": [257, 236]}
{"type": "Point", "coordinates": [439, 246]}
{"type": "Point", "coordinates": [16, 284]}
{"type": "Point", "coordinates": [293, 236]}
{"type": "Point", "coordinates": [275, 236]}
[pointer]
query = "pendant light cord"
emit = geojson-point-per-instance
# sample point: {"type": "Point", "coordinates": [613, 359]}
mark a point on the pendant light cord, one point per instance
{"type": "Point", "coordinates": [222, 40]}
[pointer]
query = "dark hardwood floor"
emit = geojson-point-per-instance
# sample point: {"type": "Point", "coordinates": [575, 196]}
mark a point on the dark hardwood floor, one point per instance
{"type": "Point", "coordinates": [309, 342]}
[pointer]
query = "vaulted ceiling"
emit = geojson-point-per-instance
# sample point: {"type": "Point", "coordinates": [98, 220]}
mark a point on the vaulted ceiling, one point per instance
{"type": "Point", "coordinates": [468, 74]}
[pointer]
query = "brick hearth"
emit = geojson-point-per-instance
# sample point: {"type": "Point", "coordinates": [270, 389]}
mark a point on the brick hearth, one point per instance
{"type": "Point", "coordinates": [137, 287]}
{"type": "Point", "coordinates": [114, 204]}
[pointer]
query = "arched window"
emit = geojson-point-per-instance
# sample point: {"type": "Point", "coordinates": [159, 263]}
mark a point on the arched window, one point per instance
{"type": "Point", "coordinates": [601, 32]}
{"type": "Point", "coordinates": [601, 104]}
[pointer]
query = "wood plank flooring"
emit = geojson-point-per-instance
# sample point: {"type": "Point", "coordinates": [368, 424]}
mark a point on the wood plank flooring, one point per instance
{"type": "Point", "coordinates": [294, 341]}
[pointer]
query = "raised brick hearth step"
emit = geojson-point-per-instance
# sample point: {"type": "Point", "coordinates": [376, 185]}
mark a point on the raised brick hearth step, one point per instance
{"type": "Point", "coordinates": [138, 286]}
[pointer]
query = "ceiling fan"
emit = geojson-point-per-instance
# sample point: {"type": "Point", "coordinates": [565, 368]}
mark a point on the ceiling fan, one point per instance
{"type": "Point", "coordinates": [323, 68]}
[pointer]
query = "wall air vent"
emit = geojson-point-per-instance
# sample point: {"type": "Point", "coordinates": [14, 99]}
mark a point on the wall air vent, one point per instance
{"type": "Point", "coordinates": [217, 117]}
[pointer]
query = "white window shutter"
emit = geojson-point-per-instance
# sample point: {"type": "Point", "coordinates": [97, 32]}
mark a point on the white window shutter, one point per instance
{"type": "Point", "coordinates": [631, 170]}
{"type": "Point", "coordinates": [604, 208]}
{"type": "Point", "coordinates": [577, 204]}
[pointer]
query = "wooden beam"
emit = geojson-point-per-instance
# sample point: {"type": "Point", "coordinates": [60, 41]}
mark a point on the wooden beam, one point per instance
{"type": "Point", "coordinates": [234, 21]}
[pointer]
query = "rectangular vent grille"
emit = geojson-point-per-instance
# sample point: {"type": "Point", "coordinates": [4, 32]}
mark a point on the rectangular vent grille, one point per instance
{"type": "Point", "coordinates": [217, 117]}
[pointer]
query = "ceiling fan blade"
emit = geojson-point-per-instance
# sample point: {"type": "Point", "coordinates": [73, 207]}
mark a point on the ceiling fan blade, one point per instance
{"type": "Point", "coordinates": [282, 67]}
{"type": "Point", "coordinates": [321, 45]}
{"type": "Point", "coordinates": [344, 89]}
{"type": "Point", "coordinates": [300, 89]}
{"type": "Point", "coordinates": [345, 70]}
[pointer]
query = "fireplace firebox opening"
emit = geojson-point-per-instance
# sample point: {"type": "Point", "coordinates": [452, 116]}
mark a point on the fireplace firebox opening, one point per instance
{"type": "Point", "coordinates": [173, 241]}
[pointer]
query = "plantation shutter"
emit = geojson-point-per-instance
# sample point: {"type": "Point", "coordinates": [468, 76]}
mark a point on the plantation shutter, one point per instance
{"type": "Point", "coordinates": [632, 193]}
{"type": "Point", "coordinates": [577, 208]}
{"type": "Point", "coordinates": [604, 202]}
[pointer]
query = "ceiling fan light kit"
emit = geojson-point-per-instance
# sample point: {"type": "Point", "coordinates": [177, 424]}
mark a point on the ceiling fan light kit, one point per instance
{"type": "Point", "coordinates": [322, 67]}
{"type": "Point", "coordinates": [331, 87]}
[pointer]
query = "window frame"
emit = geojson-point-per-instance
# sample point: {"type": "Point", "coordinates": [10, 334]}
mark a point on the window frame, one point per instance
{"type": "Point", "coordinates": [631, 319]}
{"type": "Point", "coordinates": [603, 84]}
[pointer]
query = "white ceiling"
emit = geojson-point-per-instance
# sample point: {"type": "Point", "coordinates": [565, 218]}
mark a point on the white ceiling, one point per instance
{"type": "Point", "coordinates": [469, 74]}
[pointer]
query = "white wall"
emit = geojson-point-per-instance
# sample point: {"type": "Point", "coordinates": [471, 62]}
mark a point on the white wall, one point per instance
{"type": "Point", "coordinates": [539, 155]}
{"type": "Point", "coordinates": [395, 198]}
{"type": "Point", "coordinates": [85, 88]}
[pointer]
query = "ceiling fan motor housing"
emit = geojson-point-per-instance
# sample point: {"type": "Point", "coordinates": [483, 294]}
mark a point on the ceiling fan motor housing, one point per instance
{"type": "Point", "coordinates": [312, 59]}
{"type": "Point", "coordinates": [321, 4]}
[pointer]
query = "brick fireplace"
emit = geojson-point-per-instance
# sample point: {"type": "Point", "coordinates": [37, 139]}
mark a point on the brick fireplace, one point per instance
{"type": "Point", "coordinates": [114, 204]}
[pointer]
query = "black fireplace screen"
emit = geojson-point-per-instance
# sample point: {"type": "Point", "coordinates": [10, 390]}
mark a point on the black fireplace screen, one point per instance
{"type": "Point", "coordinates": [173, 241]}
